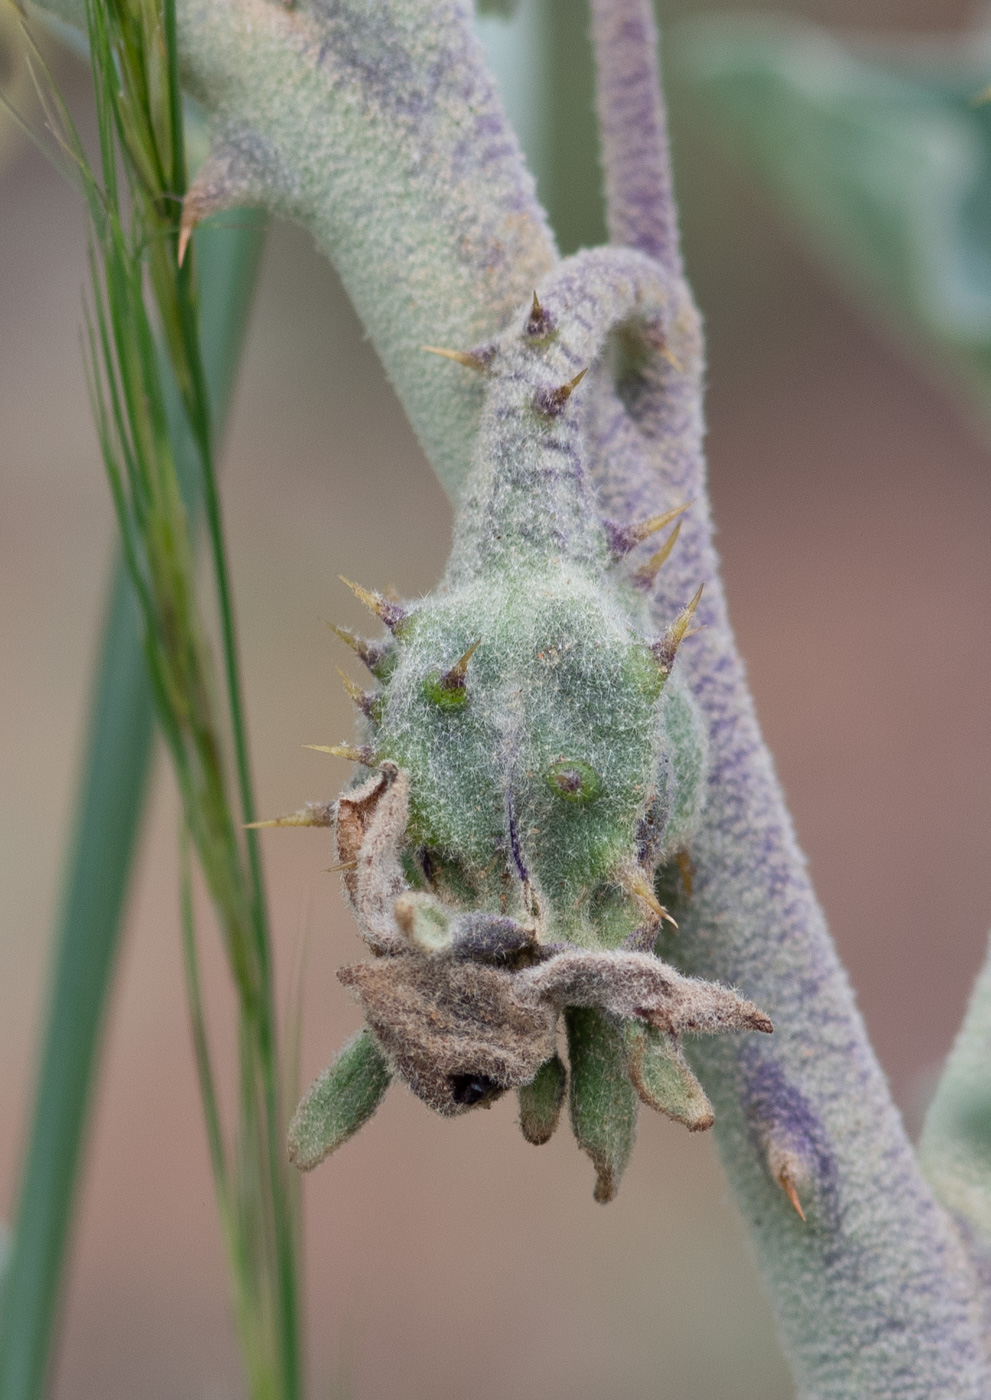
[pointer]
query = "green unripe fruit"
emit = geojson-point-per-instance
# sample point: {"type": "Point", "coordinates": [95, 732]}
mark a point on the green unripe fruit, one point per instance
{"type": "Point", "coordinates": [536, 761]}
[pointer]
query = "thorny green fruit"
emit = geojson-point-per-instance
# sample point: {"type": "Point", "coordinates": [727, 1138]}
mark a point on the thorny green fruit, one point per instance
{"type": "Point", "coordinates": [532, 761]}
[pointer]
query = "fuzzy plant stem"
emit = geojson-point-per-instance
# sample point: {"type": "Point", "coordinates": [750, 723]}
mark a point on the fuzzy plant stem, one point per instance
{"type": "Point", "coordinates": [378, 127]}
{"type": "Point", "coordinates": [633, 131]}
{"type": "Point", "coordinates": [394, 150]}
{"type": "Point", "coordinates": [955, 1149]}
{"type": "Point", "coordinates": [874, 1293]}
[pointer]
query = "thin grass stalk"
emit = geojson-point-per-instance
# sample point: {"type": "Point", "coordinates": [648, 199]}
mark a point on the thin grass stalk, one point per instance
{"type": "Point", "coordinates": [111, 789]}
{"type": "Point", "coordinates": [136, 79]}
{"type": "Point", "coordinates": [108, 810]}
{"type": "Point", "coordinates": [191, 379]}
{"type": "Point", "coordinates": [179, 666]}
{"type": "Point", "coordinates": [153, 526]}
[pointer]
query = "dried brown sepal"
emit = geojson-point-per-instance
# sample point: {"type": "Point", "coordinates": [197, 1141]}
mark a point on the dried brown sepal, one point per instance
{"type": "Point", "coordinates": [370, 823]}
{"type": "Point", "coordinates": [638, 986]}
{"type": "Point", "coordinates": [453, 1029]}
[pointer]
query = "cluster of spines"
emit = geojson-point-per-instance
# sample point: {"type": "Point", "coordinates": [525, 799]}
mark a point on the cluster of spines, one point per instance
{"type": "Point", "coordinates": [448, 687]}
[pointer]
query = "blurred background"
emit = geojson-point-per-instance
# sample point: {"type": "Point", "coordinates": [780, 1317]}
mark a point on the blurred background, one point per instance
{"type": "Point", "coordinates": [853, 500]}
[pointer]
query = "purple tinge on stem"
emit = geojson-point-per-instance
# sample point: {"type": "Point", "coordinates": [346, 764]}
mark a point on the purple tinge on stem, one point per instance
{"type": "Point", "coordinates": [641, 210]}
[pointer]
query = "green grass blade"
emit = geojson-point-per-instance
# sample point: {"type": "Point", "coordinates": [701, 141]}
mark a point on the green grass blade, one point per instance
{"type": "Point", "coordinates": [108, 808]}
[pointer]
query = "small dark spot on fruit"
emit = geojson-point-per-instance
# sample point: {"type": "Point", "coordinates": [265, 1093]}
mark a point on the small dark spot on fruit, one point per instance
{"type": "Point", "coordinates": [574, 780]}
{"type": "Point", "coordinates": [468, 1089]}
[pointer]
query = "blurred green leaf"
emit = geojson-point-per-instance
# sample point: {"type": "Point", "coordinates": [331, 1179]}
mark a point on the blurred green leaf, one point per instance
{"type": "Point", "coordinates": [111, 791]}
{"type": "Point", "coordinates": [882, 155]}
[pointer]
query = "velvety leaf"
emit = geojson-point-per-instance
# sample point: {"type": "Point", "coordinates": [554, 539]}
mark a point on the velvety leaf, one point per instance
{"type": "Point", "coordinates": [338, 1102]}
{"type": "Point", "coordinates": [603, 1101]}
{"type": "Point", "coordinates": [541, 1100]}
{"type": "Point", "coordinates": [883, 157]}
{"type": "Point", "coordinates": [661, 1076]}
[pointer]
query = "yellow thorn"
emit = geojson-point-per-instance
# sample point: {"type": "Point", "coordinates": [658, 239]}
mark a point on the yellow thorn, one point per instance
{"type": "Point", "coordinates": [349, 639]}
{"type": "Point", "coordinates": [185, 234]}
{"type": "Point", "coordinates": [566, 390]}
{"type": "Point", "coordinates": [393, 614]}
{"type": "Point", "coordinates": [680, 627]}
{"type": "Point", "coordinates": [344, 865]}
{"type": "Point", "coordinates": [636, 884]}
{"type": "Point", "coordinates": [668, 355]}
{"type": "Point", "coordinates": [646, 574]}
{"type": "Point", "coordinates": [455, 676]}
{"type": "Point", "coordinates": [372, 601]}
{"type": "Point", "coordinates": [348, 751]}
{"type": "Point", "coordinates": [685, 867]}
{"type": "Point", "coordinates": [460, 357]}
{"type": "Point", "coordinates": [368, 652]}
{"type": "Point", "coordinates": [550, 402]}
{"type": "Point", "coordinates": [355, 692]}
{"type": "Point", "coordinates": [788, 1186]}
{"type": "Point", "coordinates": [313, 814]}
{"type": "Point", "coordinates": [638, 533]}
{"type": "Point", "coordinates": [536, 309]}
{"type": "Point", "coordinates": [666, 649]}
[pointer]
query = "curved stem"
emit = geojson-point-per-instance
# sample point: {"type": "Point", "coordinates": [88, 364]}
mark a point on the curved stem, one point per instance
{"type": "Point", "coordinates": [874, 1294]}
{"type": "Point", "coordinates": [955, 1149]}
{"type": "Point", "coordinates": [636, 160]}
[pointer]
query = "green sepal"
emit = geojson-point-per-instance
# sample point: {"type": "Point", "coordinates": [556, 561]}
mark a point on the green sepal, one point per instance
{"type": "Point", "coordinates": [603, 1101]}
{"type": "Point", "coordinates": [660, 1075]}
{"type": "Point", "coordinates": [338, 1102]}
{"type": "Point", "coordinates": [540, 1101]}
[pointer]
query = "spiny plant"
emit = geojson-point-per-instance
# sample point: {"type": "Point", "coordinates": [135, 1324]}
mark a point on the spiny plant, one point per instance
{"type": "Point", "coordinates": [539, 764]}
{"type": "Point", "coordinates": [502, 861]}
